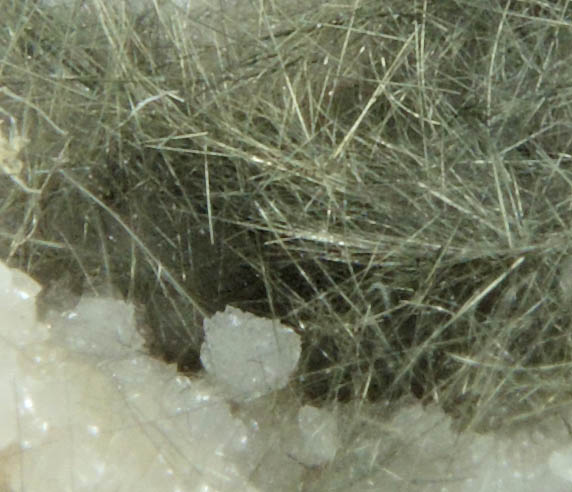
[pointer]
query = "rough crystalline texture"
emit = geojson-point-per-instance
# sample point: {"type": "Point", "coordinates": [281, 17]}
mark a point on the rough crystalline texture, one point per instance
{"type": "Point", "coordinates": [248, 355]}
{"type": "Point", "coordinates": [100, 327]}
{"type": "Point", "coordinates": [319, 436]}
{"type": "Point", "coordinates": [83, 408]}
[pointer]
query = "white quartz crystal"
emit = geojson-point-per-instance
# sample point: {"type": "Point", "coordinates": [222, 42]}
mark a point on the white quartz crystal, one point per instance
{"type": "Point", "coordinates": [319, 436]}
{"type": "Point", "coordinates": [248, 355]}
{"type": "Point", "coordinates": [84, 408]}
{"type": "Point", "coordinates": [99, 326]}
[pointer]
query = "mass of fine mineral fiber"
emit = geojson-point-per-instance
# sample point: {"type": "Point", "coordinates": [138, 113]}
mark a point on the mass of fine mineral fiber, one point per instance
{"type": "Point", "coordinates": [285, 246]}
